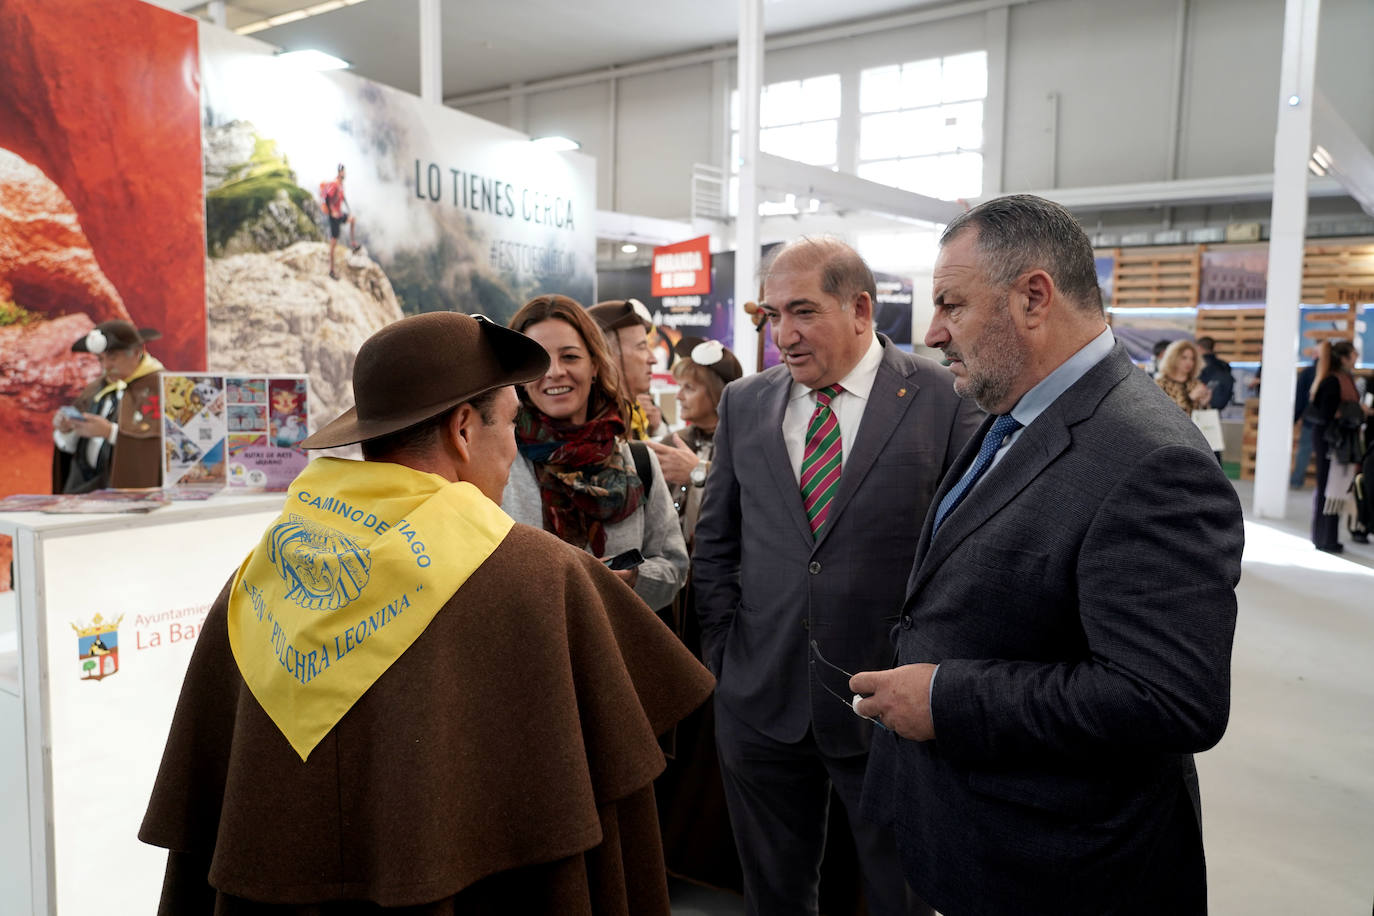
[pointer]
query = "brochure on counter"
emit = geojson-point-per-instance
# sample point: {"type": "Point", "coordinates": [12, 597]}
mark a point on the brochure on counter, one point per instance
{"type": "Point", "coordinates": [119, 501]}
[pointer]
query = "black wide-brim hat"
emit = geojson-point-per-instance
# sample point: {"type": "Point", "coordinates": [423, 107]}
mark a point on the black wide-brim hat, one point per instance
{"type": "Point", "coordinates": [419, 367]}
{"type": "Point", "coordinates": [116, 334]}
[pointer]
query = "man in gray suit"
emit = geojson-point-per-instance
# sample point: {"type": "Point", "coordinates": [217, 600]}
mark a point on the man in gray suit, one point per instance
{"type": "Point", "coordinates": [823, 470]}
{"type": "Point", "coordinates": [1065, 643]}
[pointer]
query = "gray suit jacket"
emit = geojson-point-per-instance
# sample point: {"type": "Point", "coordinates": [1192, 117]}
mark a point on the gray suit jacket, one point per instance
{"type": "Point", "coordinates": [765, 587]}
{"type": "Point", "coordinates": [1081, 605]}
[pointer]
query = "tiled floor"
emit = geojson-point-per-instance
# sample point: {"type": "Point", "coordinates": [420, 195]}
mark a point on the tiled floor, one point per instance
{"type": "Point", "coordinates": [1288, 795]}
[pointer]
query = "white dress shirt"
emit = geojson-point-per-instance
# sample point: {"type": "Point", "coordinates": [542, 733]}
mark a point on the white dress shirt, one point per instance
{"type": "Point", "coordinates": [848, 408]}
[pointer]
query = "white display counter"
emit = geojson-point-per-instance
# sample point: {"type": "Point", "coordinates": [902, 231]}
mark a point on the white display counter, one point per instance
{"type": "Point", "coordinates": [94, 643]}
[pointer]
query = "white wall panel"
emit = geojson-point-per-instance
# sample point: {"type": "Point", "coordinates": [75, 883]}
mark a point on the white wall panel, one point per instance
{"type": "Point", "coordinates": [1111, 64]}
{"type": "Point", "coordinates": [497, 112]}
{"type": "Point", "coordinates": [664, 126]}
{"type": "Point", "coordinates": [583, 114]}
{"type": "Point", "coordinates": [1233, 66]}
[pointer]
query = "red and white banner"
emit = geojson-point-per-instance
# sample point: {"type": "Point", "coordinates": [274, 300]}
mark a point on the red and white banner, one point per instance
{"type": "Point", "coordinates": [683, 269]}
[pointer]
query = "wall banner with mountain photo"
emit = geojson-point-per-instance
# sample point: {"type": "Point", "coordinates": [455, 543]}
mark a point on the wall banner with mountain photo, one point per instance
{"type": "Point", "coordinates": [101, 209]}
{"type": "Point", "coordinates": [436, 210]}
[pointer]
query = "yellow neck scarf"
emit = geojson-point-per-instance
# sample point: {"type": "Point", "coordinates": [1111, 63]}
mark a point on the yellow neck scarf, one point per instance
{"type": "Point", "coordinates": [146, 366]}
{"type": "Point", "coordinates": [362, 557]}
{"type": "Point", "coordinates": [639, 421]}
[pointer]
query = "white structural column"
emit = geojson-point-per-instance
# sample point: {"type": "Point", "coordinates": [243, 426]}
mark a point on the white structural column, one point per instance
{"type": "Point", "coordinates": [431, 53]}
{"type": "Point", "coordinates": [1288, 219]}
{"type": "Point", "coordinates": [750, 84]}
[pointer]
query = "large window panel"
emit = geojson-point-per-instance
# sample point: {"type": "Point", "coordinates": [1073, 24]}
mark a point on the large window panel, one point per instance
{"type": "Point", "coordinates": [880, 89]}
{"type": "Point", "coordinates": [921, 125]}
{"type": "Point", "coordinates": [813, 143]}
{"type": "Point", "coordinates": [921, 83]}
{"type": "Point", "coordinates": [963, 125]}
{"type": "Point", "coordinates": [882, 136]}
{"type": "Point", "coordinates": [965, 76]}
{"type": "Point", "coordinates": [798, 119]}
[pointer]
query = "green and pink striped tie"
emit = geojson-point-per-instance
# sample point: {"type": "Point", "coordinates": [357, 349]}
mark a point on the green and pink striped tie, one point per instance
{"type": "Point", "coordinates": [820, 469]}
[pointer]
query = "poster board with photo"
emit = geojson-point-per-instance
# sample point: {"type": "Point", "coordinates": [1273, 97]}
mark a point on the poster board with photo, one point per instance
{"type": "Point", "coordinates": [193, 430]}
{"type": "Point", "coordinates": [267, 418]}
{"type": "Point", "coordinates": [242, 432]}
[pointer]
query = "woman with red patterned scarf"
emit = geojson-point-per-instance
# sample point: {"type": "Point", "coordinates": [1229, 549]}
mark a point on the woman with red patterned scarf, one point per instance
{"type": "Point", "coordinates": [576, 475]}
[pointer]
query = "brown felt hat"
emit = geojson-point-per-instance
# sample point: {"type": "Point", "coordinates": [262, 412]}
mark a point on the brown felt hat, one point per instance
{"type": "Point", "coordinates": [113, 335]}
{"type": "Point", "coordinates": [421, 366]}
{"type": "Point", "coordinates": [621, 313]}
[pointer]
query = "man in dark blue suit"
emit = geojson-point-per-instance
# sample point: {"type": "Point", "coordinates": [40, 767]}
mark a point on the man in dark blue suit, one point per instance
{"type": "Point", "coordinates": [823, 470]}
{"type": "Point", "coordinates": [1065, 643]}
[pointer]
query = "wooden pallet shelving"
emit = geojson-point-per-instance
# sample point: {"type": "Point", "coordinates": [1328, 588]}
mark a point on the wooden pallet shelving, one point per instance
{"type": "Point", "coordinates": [1239, 333]}
{"type": "Point", "coordinates": [1164, 277]}
{"type": "Point", "coordinates": [1330, 263]}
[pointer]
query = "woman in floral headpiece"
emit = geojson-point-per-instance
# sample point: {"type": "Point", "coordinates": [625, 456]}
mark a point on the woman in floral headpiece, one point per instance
{"type": "Point", "coordinates": [702, 371]}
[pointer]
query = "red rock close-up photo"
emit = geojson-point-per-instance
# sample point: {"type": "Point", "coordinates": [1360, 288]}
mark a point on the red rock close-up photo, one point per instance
{"type": "Point", "coordinates": [101, 203]}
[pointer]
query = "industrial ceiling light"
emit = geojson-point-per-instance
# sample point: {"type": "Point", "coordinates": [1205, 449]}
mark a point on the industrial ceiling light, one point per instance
{"type": "Point", "coordinates": [311, 59]}
{"type": "Point", "coordinates": [295, 15]}
{"type": "Point", "coordinates": [556, 143]}
{"type": "Point", "coordinates": [629, 248]}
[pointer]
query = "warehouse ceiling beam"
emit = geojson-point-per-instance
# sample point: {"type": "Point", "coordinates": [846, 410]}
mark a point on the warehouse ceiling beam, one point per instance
{"type": "Point", "coordinates": [1340, 152]}
{"type": "Point", "coordinates": [850, 192]}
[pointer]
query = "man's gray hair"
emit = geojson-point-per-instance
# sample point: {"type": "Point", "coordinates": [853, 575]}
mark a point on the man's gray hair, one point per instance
{"type": "Point", "coordinates": [844, 274]}
{"type": "Point", "coordinates": [1022, 232]}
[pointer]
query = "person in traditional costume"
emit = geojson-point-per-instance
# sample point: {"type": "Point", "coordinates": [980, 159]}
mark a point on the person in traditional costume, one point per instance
{"type": "Point", "coordinates": [403, 701]}
{"type": "Point", "coordinates": [628, 329]}
{"type": "Point", "coordinates": [110, 436]}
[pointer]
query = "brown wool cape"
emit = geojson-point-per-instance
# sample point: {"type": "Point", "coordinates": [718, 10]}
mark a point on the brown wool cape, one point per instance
{"type": "Point", "coordinates": [503, 764]}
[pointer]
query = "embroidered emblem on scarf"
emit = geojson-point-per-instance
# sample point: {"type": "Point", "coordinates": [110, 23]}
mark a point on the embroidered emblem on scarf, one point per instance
{"type": "Point", "coordinates": [362, 557]}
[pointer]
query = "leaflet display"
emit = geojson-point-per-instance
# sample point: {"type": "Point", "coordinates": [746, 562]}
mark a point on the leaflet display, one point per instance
{"type": "Point", "coordinates": [235, 431]}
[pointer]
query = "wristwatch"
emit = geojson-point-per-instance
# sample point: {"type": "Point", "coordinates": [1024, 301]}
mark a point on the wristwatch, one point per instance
{"type": "Point", "coordinates": [698, 475]}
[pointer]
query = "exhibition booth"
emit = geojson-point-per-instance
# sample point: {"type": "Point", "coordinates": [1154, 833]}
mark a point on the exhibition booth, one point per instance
{"type": "Point", "coordinates": [168, 173]}
{"type": "Point", "coordinates": [265, 220]}
{"type": "Point", "coordinates": [94, 642]}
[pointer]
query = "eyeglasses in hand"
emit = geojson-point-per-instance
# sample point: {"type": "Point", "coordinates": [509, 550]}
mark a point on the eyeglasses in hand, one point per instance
{"type": "Point", "coordinates": [852, 704]}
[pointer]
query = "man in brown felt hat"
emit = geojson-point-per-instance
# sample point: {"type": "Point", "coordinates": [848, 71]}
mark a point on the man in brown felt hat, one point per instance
{"type": "Point", "coordinates": [110, 436]}
{"type": "Point", "coordinates": [628, 326]}
{"type": "Point", "coordinates": [403, 699]}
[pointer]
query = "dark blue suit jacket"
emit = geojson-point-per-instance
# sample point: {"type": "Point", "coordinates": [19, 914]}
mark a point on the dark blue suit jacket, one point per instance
{"type": "Point", "coordinates": [1081, 605]}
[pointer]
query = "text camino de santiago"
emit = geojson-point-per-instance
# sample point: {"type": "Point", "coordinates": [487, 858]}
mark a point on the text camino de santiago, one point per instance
{"type": "Point", "coordinates": [471, 191]}
{"type": "Point", "coordinates": [304, 666]}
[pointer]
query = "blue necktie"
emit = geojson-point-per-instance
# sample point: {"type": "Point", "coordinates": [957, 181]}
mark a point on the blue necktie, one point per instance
{"type": "Point", "coordinates": [1002, 427]}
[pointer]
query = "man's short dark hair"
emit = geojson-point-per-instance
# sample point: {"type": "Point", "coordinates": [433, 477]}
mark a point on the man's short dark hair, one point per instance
{"type": "Point", "coordinates": [1160, 346]}
{"type": "Point", "coordinates": [422, 437]}
{"type": "Point", "coordinates": [1207, 344]}
{"type": "Point", "coordinates": [1022, 232]}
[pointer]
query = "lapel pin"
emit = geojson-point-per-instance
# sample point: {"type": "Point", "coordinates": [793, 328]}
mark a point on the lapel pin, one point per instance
{"type": "Point", "coordinates": [901, 392]}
